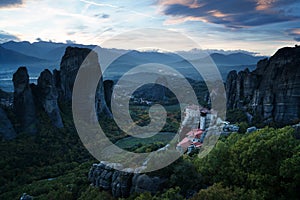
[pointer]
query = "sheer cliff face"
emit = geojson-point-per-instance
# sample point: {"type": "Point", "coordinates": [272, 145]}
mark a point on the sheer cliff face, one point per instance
{"type": "Point", "coordinates": [70, 64]}
{"type": "Point", "coordinates": [272, 91]}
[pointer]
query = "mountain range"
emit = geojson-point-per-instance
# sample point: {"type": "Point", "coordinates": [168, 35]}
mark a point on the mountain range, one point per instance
{"type": "Point", "coordinates": [49, 54]}
{"type": "Point", "coordinates": [8, 56]}
{"type": "Point", "coordinates": [41, 51]}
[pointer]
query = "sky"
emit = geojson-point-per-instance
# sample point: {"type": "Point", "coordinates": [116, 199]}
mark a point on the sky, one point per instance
{"type": "Point", "coordinates": [260, 26]}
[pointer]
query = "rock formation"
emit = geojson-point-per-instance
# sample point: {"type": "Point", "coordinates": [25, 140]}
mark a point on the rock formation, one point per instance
{"type": "Point", "coordinates": [6, 129]}
{"type": "Point", "coordinates": [122, 183]}
{"type": "Point", "coordinates": [47, 95]}
{"type": "Point", "coordinates": [271, 92]}
{"type": "Point", "coordinates": [70, 64]}
{"type": "Point", "coordinates": [24, 105]}
{"type": "Point", "coordinates": [50, 89]}
{"type": "Point", "coordinates": [108, 90]}
{"type": "Point", "coordinates": [57, 82]}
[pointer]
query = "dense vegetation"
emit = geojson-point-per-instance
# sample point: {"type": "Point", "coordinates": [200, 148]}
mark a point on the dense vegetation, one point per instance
{"type": "Point", "coordinates": [54, 165]}
{"type": "Point", "coordinates": [261, 165]}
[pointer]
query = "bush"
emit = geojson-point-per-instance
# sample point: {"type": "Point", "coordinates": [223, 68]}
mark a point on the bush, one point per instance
{"type": "Point", "coordinates": [236, 115]}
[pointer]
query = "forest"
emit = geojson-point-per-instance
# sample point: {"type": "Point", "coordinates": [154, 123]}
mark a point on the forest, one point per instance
{"type": "Point", "coordinates": [54, 164]}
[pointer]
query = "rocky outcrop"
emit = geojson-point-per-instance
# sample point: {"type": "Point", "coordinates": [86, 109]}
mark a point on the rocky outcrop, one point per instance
{"type": "Point", "coordinates": [271, 92]}
{"type": "Point", "coordinates": [70, 64]}
{"type": "Point", "coordinates": [6, 128]}
{"type": "Point", "coordinates": [24, 105]}
{"type": "Point", "coordinates": [47, 95]}
{"type": "Point", "coordinates": [122, 182]}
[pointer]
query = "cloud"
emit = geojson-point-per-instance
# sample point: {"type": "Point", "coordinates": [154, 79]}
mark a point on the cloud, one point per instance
{"type": "Point", "coordinates": [211, 51]}
{"type": "Point", "coordinates": [104, 16]}
{"type": "Point", "coordinates": [232, 14]}
{"type": "Point", "coordinates": [10, 3]}
{"type": "Point", "coordinates": [295, 33]}
{"type": "Point", "coordinates": [70, 41]}
{"type": "Point", "coordinates": [99, 4]}
{"type": "Point", "coordinates": [189, 3]}
{"type": "Point", "coordinates": [5, 37]}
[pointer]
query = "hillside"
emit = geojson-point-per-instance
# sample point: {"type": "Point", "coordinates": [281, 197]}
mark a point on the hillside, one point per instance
{"type": "Point", "coordinates": [42, 49]}
{"type": "Point", "coordinates": [13, 57]}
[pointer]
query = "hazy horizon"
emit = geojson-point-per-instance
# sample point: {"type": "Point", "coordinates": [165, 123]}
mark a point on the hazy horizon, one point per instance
{"type": "Point", "coordinates": [192, 50]}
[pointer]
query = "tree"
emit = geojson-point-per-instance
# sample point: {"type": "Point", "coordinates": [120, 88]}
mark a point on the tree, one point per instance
{"type": "Point", "coordinates": [265, 162]}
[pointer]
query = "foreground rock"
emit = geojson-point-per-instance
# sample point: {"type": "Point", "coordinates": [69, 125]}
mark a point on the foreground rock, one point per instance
{"type": "Point", "coordinates": [122, 183]}
{"type": "Point", "coordinates": [271, 92]}
{"type": "Point", "coordinates": [24, 104]}
{"type": "Point", "coordinates": [47, 95]}
{"type": "Point", "coordinates": [6, 128]}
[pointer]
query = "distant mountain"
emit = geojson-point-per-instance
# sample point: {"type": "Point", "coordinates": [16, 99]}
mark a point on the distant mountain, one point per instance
{"type": "Point", "coordinates": [13, 57]}
{"type": "Point", "coordinates": [24, 52]}
{"type": "Point", "coordinates": [54, 51]}
{"type": "Point", "coordinates": [25, 48]}
{"type": "Point", "coordinates": [131, 59]}
{"type": "Point", "coordinates": [42, 49]}
{"type": "Point", "coordinates": [235, 59]}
